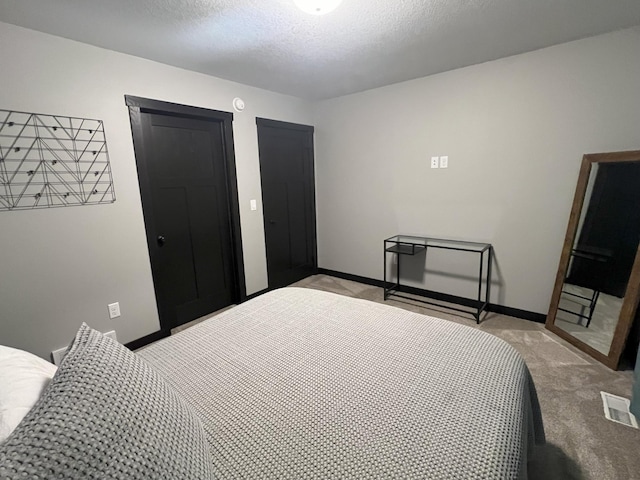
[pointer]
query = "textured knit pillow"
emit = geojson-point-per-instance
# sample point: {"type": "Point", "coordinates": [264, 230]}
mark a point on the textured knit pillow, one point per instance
{"type": "Point", "coordinates": [106, 414]}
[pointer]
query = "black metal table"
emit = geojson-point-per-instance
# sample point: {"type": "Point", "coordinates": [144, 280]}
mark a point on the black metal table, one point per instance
{"type": "Point", "coordinates": [411, 245]}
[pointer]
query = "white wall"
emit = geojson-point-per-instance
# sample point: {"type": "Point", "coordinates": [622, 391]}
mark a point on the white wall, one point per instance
{"type": "Point", "coordinates": [62, 266]}
{"type": "Point", "coordinates": [515, 131]}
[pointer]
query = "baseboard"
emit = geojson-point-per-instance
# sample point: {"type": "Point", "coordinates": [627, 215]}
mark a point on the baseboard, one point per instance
{"type": "Point", "coordinates": [442, 297]}
{"type": "Point", "coordinates": [492, 307]}
{"type": "Point", "coordinates": [155, 336]}
{"type": "Point", "coordinates": [256, 294]}
{"type": "Point", "coordinates": [148, 339]}
{"type": "Point", "coordinates": [349, 276]}
{"type": "Point", "coordinates": [518, 313]}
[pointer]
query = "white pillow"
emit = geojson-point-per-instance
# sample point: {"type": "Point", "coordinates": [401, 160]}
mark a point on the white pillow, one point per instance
{"type": "Point", "coordinates": [23, 378]}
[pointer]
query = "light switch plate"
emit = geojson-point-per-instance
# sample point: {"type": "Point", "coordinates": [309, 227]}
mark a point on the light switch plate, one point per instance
{"type": "Point", "coordinates": [434, 162]}
{"type": "Point", "coordinates": [444, 162]}
{"type": "Point", "coordinates": [254, 205]}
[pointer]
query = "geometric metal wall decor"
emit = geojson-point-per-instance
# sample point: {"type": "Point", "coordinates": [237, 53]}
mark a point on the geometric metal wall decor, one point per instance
{"type": "Point", "coordinates": [52, 161]}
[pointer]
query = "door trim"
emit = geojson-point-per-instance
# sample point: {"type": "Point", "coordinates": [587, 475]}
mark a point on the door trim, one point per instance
{"type": "Point", "coordinates": [268, 123]}
{"type": "Point", "coordinates": [138, 106]}
{"type": "Point", "coordinates": [265, 122]}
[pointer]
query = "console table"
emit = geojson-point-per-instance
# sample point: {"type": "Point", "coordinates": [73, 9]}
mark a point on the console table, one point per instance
{"type": "Point", "coordinates": [407, 245]}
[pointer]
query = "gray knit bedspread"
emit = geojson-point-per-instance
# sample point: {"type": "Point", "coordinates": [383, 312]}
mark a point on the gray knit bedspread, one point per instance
{"type": "Point", "coordinates": [304, 384]}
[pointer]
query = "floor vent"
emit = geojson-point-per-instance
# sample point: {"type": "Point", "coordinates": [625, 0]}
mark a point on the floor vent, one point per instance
{"type": "Point", "coordinates": [616, 409]}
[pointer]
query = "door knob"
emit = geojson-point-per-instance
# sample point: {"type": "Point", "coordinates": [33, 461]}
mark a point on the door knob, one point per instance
{"type": "Point", "coordinates": [272, 222]}
{"type": "Point", "coordinates": [161, 240]}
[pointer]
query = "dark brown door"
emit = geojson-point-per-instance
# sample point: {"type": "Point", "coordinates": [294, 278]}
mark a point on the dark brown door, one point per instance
{"type": "Point", "coordinates": [288, 199]}
{"type": "Point", "coordinates": [186, 200]}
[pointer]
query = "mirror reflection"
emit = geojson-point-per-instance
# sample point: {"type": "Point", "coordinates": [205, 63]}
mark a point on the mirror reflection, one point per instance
{"type": "Point", "coordinates": [602, 255]}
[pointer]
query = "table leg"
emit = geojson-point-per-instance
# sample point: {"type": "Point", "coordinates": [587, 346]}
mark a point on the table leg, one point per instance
{"type": "Point", "coordinates": [384, 262]}
{"type": "Point", "coordinates": [398, 271]}
{"type": "Point", "coordinates": [489, 264]}
{"type": "Point", "coordinates": [480, 307]}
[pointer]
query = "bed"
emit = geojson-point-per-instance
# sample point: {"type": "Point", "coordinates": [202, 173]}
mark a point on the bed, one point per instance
{"type": "Point", "coordinates": [299, 383]}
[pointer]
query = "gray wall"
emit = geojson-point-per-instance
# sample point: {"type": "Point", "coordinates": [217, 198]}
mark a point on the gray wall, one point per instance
{"type": "Point", "coordinates": [62, 266]}
{"type": "Point", "coordinates": [515, 131]}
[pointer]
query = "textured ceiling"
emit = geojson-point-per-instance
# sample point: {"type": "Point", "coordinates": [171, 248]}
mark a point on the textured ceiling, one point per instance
{"type": "Point", "coordinates": [361, 45]}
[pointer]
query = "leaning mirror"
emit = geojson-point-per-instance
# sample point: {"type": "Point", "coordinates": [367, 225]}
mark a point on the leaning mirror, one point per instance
{"type": "Point", "coordinates": [597, 287]}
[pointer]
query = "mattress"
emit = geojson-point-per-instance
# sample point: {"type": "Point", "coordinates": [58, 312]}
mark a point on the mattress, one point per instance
{"type": "Point", "coordinates": [299, 383]}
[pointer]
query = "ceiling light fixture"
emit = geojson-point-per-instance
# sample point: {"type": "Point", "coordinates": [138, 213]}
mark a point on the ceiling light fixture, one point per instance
{"type": "Point", "coordinates": [317, 7]}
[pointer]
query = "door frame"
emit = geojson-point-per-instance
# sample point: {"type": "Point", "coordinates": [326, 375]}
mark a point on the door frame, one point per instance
{"type": "Point", "coordinates": [268, 123]}
{"type": "Point", "coordinates": [138, 106]}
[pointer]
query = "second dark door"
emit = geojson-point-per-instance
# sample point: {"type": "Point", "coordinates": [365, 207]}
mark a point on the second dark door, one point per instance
{"type": "Point", "coordinates": [288, 198]}
{"type": "Point", "coordinates": [186, 202]}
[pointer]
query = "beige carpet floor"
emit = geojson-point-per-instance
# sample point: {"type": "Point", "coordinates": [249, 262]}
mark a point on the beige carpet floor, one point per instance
{"type": "Point", "coordinates": [581, 442]}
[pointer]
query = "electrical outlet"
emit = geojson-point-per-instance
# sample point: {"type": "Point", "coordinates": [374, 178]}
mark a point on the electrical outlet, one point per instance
{"type": "Point", "coordinates": [58, 355]}
{"type": "Point", "coordinates": [114, 310]}
{"type": "Point", "coordinates": [434, 162]}
{"type": "Point", "coordinates": [444, 162]}
{"type": "Point", "coordinates": [111, 335]}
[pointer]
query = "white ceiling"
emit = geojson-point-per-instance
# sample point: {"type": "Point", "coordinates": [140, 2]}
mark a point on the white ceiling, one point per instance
{"type": "Point", "coordinates": [361, 45]}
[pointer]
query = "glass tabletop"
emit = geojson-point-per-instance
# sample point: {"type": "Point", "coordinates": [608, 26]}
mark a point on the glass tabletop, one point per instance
{"type": "Point", "coordinates": [440, 243]}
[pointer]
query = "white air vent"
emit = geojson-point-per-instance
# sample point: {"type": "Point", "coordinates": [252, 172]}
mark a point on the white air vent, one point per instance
{"type": "Point", "coordinates": [616, 409]}
{"type": "Point", "coordinates": [58, 355]}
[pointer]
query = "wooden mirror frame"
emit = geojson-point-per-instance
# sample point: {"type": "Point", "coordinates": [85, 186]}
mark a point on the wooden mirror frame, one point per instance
{"type": "Point", "coordinates": [632, 294]}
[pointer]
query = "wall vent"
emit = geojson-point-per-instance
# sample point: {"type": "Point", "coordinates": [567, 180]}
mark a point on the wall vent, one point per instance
{"type": "Point", "coordinates": [58, 355]}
